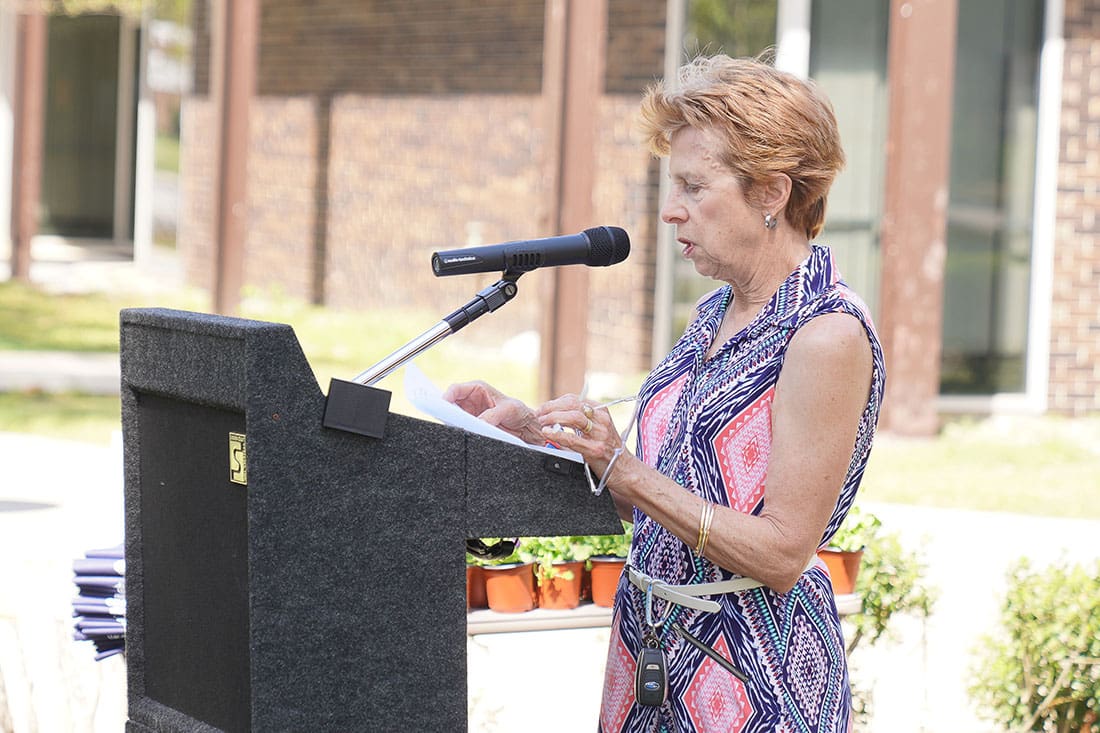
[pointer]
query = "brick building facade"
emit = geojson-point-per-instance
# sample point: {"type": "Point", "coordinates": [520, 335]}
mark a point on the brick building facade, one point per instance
{"type": "Point", "coordinates": [1075, 307]}
{"type": "Point", "coordinates": [381, 131]}
{"type": "Point", "coordinates": [384, 131]}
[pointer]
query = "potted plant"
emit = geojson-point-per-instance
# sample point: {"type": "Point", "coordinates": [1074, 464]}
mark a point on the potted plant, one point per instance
{"type": "Point", "coordinates": [559, 567]}
{"type": "Point", "coordinates": [609, 554]}
{"type": "Point", "coordinates": [845, 550]}
{"type": "Point", "coordinates": [475, 583]}
{"type": "Point", "coordinates": [509, 582]}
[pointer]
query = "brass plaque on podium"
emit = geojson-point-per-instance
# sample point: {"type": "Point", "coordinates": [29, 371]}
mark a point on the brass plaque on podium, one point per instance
{"type": "Point", "coordinates": [238, 464]}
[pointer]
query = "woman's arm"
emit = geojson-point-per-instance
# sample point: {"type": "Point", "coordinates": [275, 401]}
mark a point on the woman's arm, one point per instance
{"type": "Point", "coordinates": [819, 398]}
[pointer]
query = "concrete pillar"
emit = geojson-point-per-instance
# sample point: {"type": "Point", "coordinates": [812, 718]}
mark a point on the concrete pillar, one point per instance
{"type": "Point", "coordinates": [28, 136]}
{"type": "Point", "coordinates": [239, 43]}
{"type": "Point", "coordinates": [574, 42]}
{"type": "Point", "coordinates": [921, 60]}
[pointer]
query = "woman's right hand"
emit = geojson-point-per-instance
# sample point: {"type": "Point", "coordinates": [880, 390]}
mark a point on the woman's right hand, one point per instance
{"type": "Point", "coordinates": [496, 408]}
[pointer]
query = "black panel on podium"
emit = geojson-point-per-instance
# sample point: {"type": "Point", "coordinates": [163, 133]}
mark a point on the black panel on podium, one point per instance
{"type": "Point", "coordinates": [324, 588]}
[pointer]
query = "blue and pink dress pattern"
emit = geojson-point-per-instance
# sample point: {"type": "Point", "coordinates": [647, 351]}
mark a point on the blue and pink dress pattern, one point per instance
{"type": "Point", "coordinates": [706, 423]}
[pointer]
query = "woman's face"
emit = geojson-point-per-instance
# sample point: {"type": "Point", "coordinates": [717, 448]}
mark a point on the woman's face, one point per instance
{"type": "Point", "coordinates": [717, 228]}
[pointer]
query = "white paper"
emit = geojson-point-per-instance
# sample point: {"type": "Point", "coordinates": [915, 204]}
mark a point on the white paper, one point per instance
{"type": "Point", "coordinates": [427, 398]}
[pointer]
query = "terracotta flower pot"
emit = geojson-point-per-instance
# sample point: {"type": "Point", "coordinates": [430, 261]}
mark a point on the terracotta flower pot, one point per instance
{"type": "Point", "coordinates": [605, 575]}
{"type": "Point", "coordinates": [843, 569]}
{"type": "Point", "coordinates": [562, 590]}
{"type": "Point", "coordinates": [510, 588]}
{"type": "Point", "coordinates": [475, 587]}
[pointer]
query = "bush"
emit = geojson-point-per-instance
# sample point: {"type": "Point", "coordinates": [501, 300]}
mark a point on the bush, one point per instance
{"type": "Point", "coordinates": [1042, 671]}
{"type": "Point", "coordinates": [889, 582]}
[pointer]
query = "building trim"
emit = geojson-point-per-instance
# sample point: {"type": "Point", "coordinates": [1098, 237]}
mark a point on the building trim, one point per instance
{"type": "Point", "coordinates": [144, 152]}
{"type": "Point", "coordinates": [124, 130]}
{"type": "Point", "coordinates": [676, 12]}
{"type": "Point", "coordinates": [7, 126]}
{"type": "Point", "coordinates": [1047, 145]}
{"type": "Point", "coordinates": [792, 37]}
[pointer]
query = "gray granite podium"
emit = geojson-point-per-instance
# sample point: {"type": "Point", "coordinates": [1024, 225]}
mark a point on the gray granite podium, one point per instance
{"type": "Point", "coordinates": [285, 576]}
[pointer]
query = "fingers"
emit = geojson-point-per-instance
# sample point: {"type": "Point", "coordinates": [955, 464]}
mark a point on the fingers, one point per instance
{"type": "Point", "coordinates": [473, 397]}
{"type": "Point", "coordinates": [569, 411]}
{"type": "Point", "coordinates": [507, 413]}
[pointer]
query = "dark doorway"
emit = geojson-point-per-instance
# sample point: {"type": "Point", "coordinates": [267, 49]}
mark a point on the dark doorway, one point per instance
{"type": "Point", "coordinates": [79, 157]}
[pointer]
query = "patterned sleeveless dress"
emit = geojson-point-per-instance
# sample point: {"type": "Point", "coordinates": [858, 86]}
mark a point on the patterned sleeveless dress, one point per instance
{"type": "Point", "coordinates": [707, 425]}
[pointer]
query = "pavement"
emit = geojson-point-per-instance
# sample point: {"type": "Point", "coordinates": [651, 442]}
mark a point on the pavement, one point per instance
{"type": "Point", "coordinates": [59, 498]}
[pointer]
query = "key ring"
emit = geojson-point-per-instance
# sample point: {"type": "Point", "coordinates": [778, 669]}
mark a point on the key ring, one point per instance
{"type": "Point", "coordinates": [649, 608]}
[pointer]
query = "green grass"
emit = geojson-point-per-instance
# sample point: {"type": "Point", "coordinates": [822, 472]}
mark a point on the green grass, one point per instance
{"type": "Point", "coordinates": [1048, 466]}
{"type": "Point", "coordinates": [1044, 466]}
{"type": "Point", "coordinates": [31, 320]}
{"type": "Point", "coordinates": [337, 344]}
{"type": "Point", "coordinates": [87, 418]}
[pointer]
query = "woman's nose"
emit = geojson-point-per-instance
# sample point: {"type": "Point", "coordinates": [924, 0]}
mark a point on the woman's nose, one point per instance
{"type": "Point", "coordinates": [672, 212]}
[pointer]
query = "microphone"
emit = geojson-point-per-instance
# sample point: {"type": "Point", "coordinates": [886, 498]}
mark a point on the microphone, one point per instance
{"type": "Point", "coordinates": [596, 247]}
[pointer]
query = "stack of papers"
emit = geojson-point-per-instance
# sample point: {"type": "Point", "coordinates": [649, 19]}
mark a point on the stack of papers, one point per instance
{"type": "Point", "coordinates": [100, 604]}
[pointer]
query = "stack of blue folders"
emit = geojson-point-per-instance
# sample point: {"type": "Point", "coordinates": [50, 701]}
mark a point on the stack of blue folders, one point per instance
{"type": "Point", "coordinates": [100, 604]}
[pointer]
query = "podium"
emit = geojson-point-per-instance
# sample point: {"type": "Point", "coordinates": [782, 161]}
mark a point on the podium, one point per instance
{"type": "Point", "coordinates": [285, 576]}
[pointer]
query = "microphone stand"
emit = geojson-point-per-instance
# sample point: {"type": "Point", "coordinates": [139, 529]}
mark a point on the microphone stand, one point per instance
{"type": "Point", "coordinates": [357, 406]}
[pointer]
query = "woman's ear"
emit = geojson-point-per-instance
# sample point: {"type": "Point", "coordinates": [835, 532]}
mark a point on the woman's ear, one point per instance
{"type": "Point", "coordinates": [775, 193]}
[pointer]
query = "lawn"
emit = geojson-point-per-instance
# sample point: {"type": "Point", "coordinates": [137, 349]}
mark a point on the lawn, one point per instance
{"type": "Point", "coordinates": [1045, 466]}
{"type": "Point", "coordinates": [337, 344]}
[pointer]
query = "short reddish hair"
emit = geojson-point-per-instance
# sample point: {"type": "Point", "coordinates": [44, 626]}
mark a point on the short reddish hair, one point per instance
{"type": "Point", "coordinates": [771, 122]}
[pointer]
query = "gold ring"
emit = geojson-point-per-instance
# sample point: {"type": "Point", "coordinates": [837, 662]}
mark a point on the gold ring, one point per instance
{"type": "Point", "coordinates": [587, 410]}
{"type": "Point", "coordinates": [587, 428]}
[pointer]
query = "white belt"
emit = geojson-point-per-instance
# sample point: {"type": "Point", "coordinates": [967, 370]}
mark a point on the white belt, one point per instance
{"type": "Point", "coordinates": [688, 594]}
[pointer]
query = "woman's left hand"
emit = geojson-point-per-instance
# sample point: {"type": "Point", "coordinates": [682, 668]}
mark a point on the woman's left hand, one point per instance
{"type": "Point", "coordinates": [592, 433]}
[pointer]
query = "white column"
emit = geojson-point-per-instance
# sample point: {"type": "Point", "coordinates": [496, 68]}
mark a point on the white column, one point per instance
{"type": "Point", "coordinates": [792, 37]}
{"type": "Point", "coordinates": [662, 292]}
{"type": "Point", "coordinates": [1046, 193]}
{"type": "Point", "coordinates": [145, 157]}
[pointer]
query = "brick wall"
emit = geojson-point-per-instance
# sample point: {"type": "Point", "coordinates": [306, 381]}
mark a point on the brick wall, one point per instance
{"type": "Point", "coordinates": [385, 130]}
{"type": "Point", "coordinates": [1075, 308]}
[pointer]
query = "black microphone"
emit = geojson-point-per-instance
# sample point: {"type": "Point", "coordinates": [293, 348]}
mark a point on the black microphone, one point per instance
{"type": "Point", "coordinates": [596, 247]}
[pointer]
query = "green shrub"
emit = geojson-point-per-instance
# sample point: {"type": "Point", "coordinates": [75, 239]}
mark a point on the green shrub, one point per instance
{"type": "Point", "coordinates": [859, 529]}
{"type": "Point", "coordinates": [1041, 672]}
{"type": "Point", "coordinates": [889, 582]}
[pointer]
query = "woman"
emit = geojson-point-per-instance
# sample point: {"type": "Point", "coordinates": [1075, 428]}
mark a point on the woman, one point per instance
{"type": "Point", "coordinates": [753, 432]}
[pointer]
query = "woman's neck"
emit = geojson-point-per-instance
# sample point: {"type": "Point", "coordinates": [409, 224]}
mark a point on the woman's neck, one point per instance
{"type": "Point", "coordinates": [753, 291]}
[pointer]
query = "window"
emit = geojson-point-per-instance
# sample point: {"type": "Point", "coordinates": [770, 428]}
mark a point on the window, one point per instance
{"type": "Point", "coordinates": [992, 184]}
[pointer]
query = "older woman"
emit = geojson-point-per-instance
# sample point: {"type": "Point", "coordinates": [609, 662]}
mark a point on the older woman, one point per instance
{"type": "Point", "coordinates": [753, 433]}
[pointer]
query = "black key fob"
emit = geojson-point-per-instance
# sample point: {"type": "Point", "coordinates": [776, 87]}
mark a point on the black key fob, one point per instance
{"type": "Point", "coordinates": [651, 679]}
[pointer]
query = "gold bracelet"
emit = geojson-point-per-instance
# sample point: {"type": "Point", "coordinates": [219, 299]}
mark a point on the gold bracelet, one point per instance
{"type": "Point", "coordinates": [706, 530]}
{"type": "Point", "coordinates": [702, 516]}
{"type": "Point", "coordinates": [705, 517]}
